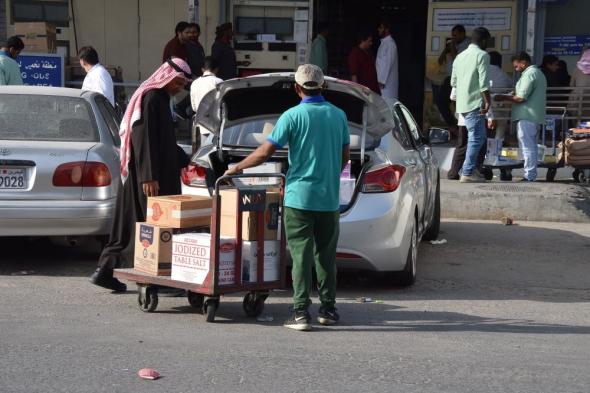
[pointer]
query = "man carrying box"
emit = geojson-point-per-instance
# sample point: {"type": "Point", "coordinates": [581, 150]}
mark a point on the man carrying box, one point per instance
{"type": "Point", "coordinates": [318, 137]}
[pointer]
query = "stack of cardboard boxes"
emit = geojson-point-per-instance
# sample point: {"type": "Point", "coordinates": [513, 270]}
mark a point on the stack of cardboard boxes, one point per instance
{"type": "Point", "coordinates": [38, 37]}
{"type": "Point", "coordinates": [166, 216]}
{"type": "Point", "coordinates": [172, 241]}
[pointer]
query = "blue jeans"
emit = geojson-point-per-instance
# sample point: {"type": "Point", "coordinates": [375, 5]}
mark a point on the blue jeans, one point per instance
{"type": "Point", "coordinates": [527, 140]}
{"type": "Point", "coordinates": [476, 137]}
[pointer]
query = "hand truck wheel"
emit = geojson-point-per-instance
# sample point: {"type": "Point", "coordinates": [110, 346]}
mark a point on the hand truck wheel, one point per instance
{"type": "Point", "coordinates": [505, 175]}
{"type": "Point", "coordinates": [576, 175]}
{"type": "Point", "coordinates": [253, 303]}
{"type": "Point", "coordinates": [210, 309]}
{"type": "Point", "coordinates": [551, 172]}
{"type": "Point", "coordinates": [147, 298]}
{"type": "Point", "coordinates": [196, 300]}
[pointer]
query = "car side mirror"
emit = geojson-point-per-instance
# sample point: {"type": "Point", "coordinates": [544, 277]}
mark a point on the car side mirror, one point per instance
{"type": "Point", "coordinates": [438, 135]}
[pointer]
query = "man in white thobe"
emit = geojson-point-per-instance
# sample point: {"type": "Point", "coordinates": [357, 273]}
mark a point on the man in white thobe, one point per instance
{"type": "Point", "coordinates": [97, 77]}
{"type": "Point", "coordinates": [387, 64]}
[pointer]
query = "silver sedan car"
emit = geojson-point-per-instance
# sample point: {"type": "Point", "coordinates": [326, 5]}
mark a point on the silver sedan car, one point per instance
{"type": "Point", "coordinates": [59, 164]}
{"type": "Point", "coordinates": [393, 198]}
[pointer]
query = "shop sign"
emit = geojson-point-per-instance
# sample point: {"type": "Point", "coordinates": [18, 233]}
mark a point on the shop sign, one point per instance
{"type": "Point", "coordinates": [566, 45]}
{"type": "Point", "coordinates": [494, 19]}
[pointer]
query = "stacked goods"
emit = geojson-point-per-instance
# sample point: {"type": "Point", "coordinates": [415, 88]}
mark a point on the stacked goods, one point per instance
{"type": "Point", "coordinates": [166, 216]}
{"type": "Point", "coordinates": [229, 211]}
{"type": "Point", "coordinates": [347, 184]}
{"type": "Point", "coordinates": [39, 37]}
{"type": "Point", "coordinates": [267, 167]}
{"type": "Point", "coordinates": [191, 258]}
{"type": "Point", "coordinates": [577, 147]}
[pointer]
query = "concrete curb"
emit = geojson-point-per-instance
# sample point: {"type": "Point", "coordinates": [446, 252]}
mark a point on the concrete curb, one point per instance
{"type": "Point", "coordinates": [554, 202]}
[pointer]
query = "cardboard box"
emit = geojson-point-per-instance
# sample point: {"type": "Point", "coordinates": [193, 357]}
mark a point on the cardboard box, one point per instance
{"type": "Point", "coordinates": [191, 258]}
{"type": "Point", "coordinates": [37, 36]}
{"type": "Point", "coordinates": [249, 219]}
{"type": "Point", "coordinates": [346, 190]}
{"type": "Point", "coordinates": [179, 211]}
{"type": "Point", "coordinates": [250, 261]}
{"type": "Point", "coordinates": [153, 249]}
{"type": "Point", "coordinates": [267, 167]}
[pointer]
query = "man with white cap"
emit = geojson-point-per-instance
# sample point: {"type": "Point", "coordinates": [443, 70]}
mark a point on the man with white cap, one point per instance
{"type": "Point", "coordinates": [318, 138]}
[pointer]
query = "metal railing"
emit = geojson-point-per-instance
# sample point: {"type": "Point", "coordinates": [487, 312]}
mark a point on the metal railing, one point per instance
{"type": "Point", "coordinates": [575, 99]}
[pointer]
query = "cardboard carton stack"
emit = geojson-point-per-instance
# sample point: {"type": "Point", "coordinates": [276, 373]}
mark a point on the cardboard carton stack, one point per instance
{"type": "Point", "coordinates": [39, 37]}
{"type": "Point", "coordinates": [577, 147]}
{"type": "Point", "coordinates": [166, 216]}
{"type": "Point", "coordinates": [169, 244]}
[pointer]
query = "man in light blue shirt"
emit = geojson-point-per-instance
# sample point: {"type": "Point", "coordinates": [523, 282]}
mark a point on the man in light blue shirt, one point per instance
{"type": "Point", "coordinates": [318, 138]}
{"type": "Point", "coordinates": [9, 69]}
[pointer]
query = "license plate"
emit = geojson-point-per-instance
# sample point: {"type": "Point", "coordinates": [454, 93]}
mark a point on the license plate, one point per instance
{"type": "Point", "coordinates": [13, 178]}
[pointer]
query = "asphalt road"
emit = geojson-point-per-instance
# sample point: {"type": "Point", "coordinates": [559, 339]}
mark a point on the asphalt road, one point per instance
{"type": "Point", "coordinates": [496, 309]}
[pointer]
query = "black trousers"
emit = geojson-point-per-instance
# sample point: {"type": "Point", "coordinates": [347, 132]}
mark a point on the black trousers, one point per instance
{"type": "Point", "coordinates": [442, 99]}
{"type": "Point", "coordinates": [460, 151]}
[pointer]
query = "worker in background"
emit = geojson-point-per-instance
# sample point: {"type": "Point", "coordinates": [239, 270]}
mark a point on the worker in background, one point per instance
{"type": "Point", "coordinates": [194, 49]}
{"type": "Point", "coordinates": [387, 64]}
{"type": "Point", "coordinates": [97, 77]}
{"type": "Point", "coordinates": [528, 110]}
{"type": "Point", "coordinates": [199, 88]}
{"type": "Point", "coordinates": [9, 69]}
{"type": "Point", "coordinates": [176, 47]}
{"type": "Point", "coordinates": [223, 51]}
{"type": "Point", "coordinates": [361, 62]}
{"type": "Point", "coordinates": [318, 138]}
{"type": "Point", "coordinates": [318, 54]}
{"type": "Point", "coordinates": [470, 77]}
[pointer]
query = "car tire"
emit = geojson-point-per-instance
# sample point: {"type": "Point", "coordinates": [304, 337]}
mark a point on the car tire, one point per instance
{"type": "Point", "coordinates": [434, 228]}
{"type": "Point", "coordinates": [407, 277]}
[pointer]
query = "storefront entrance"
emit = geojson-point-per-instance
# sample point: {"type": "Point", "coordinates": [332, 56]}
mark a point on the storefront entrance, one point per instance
{"type": "Point", "coordinates": [409, 18]}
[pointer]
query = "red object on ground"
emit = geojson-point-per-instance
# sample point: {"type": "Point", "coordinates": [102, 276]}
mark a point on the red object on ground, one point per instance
{"type": "Point", "coordinates": [148, 373]}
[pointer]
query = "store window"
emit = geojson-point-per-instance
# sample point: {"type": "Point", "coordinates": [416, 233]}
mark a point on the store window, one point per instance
{"type": "Point", "coordinates": [53, 11]}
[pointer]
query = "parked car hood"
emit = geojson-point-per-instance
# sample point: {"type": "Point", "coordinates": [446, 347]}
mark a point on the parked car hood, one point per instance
{"type": "Point", "coordinates": [272, 94]}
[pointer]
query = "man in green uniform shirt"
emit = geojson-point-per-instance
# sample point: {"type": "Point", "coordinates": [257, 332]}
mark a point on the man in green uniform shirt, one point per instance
{"type": "Point", "coordinates": [528, 110]}
{"type": "Point", "coordinates": [318, 138]}
{"type": "Point", "coordinates": [9, 69]}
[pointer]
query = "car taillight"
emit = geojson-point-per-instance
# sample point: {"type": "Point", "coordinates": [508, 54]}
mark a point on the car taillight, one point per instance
{"type": "Point", "coordinates": [82, 174]}
{"type": "Point", "coordinates": [193, 175]}
{"type": "Point", "coordinates": [383, 179]}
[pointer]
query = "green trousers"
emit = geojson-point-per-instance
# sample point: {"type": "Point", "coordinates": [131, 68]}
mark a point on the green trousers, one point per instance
{"type": "Point", "coordinates": [312, 238]}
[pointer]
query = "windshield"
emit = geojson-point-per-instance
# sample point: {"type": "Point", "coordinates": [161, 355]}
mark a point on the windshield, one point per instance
{"type": "Point", "coordinates": [252, 133]}
{"type": "Point", "coordinates": [46, 118]}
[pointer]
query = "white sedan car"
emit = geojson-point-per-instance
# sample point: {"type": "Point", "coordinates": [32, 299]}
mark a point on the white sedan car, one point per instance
{"type": "Point", "coordinates": [396, 197]}
{"type": "Point", "coordinates": [59, 164]}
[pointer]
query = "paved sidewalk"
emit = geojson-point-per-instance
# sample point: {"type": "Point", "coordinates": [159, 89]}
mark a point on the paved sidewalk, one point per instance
{"type": "Point", "coordinates": [561, 201]}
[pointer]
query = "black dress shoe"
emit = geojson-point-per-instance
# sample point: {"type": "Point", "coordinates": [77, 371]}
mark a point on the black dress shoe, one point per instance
{"type": "Point", "coordinates": [103, 277]}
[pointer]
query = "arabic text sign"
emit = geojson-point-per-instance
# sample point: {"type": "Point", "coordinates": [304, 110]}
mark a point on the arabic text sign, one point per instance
{"type": "Point", "coordinates": [40, 69]}
{"type": "Point", "coordinates": [494, 19]}
{"type": "Point", "coordinates": [566, 45]}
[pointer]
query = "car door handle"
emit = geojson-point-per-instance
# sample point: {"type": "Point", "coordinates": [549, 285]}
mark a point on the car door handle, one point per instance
{"type": "Point", "coordinates": [411, 162]}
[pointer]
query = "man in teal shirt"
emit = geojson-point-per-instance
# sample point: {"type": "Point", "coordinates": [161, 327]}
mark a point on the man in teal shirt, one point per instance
{"type": "Point", "coordinates": [470, 78]}
{"type": "Point", "coordinates": [528, 110]}
{"type": "Point", "coordinates": [319, 50]}
{"type": "Point", "coordinates": [318, 138]}
{"type": "Point", "coordinates": [9, 69]}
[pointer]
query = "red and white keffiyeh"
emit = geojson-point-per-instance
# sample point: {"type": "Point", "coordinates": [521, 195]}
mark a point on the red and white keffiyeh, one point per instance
{"type": "Point", "coordinates": [163, 75]}
{"type": "Point", "coordinates": [584, 63]}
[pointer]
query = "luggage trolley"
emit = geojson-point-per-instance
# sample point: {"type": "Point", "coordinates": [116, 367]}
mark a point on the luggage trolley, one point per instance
{"type": "Point", "coordinates": [205, 297]}
{"type": "Point", "coordinates": [553, 116]}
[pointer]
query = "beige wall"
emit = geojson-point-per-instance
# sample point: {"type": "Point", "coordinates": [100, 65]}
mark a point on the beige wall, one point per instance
{"type": "Point", "coordinates": [132, 34]}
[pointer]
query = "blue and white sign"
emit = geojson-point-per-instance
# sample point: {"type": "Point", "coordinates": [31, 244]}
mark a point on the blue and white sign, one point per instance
{"type": "Point", "coordinates": [566, 45]}
{"type": "Point", "coordinates": [41, 69]}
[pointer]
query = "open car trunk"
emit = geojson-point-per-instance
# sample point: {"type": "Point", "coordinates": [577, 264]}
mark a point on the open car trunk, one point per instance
{"type": "Point", "coordinates": [242, 112]}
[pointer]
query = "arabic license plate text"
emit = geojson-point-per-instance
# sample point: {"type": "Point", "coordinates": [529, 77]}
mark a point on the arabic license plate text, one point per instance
{"type": "Point", "coordinates": [13, 178]}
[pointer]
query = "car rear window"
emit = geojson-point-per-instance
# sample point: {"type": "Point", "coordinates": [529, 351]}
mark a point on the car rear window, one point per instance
{"type": "Point", "coordinates": [252, 133]}
{"type": "Point", "coordinates": [46, 118]}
